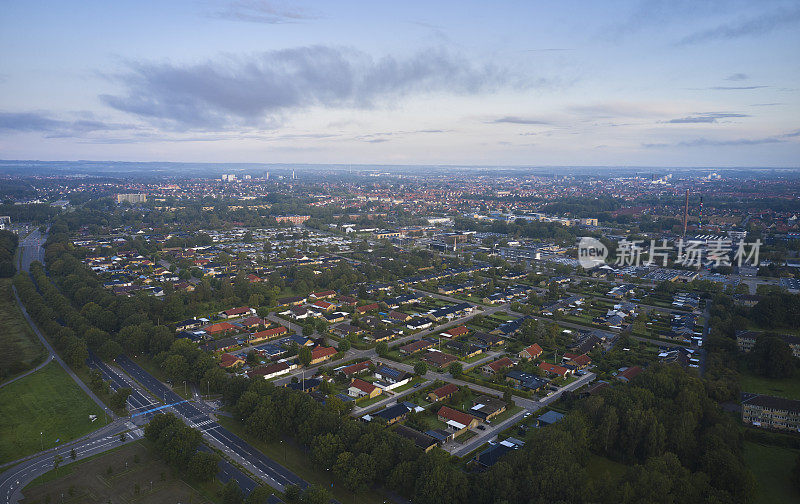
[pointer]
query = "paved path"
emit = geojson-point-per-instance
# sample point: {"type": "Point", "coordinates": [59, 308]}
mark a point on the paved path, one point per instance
{"type": "Point", "coordinates": [57, 358]}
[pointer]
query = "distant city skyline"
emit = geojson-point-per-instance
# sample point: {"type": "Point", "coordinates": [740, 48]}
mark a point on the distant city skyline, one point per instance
{"type": "Point", "coordinates": [649, 83]}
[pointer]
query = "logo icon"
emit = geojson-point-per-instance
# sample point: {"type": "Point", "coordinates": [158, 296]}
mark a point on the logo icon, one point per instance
{"type": "Point", "coordinates": [591, 252]}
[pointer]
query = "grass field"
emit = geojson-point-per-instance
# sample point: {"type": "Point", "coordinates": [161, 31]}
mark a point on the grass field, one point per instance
{"type": "Point", "coordinates": [135, 476]}
{"type": "Point", "coordinates": [46, 401]}
{"type": "Point", "coordinates": [16, 334]}
{"type": "Point", "coordinates": [292, 457]}
{"type": "Point", "coordinates": [771, 465]}
{"type": "Point", "coordinates": [787, 387]}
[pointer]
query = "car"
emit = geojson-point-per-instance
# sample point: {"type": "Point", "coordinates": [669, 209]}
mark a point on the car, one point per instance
{"type": "Point", "coordinates": [482, 427]}
{"type": "Point", "coordinates": [526, 415]}
{"type": "Point", "coordinates": [417, 385]}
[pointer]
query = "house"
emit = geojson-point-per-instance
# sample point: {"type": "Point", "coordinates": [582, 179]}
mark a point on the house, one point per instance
{"type": "Point", "coordinates": [254, 279]}
{"type": "Point", "coordinates": [526, 381]}
{"type": "Point", "coordinates": [299, 340]}
{"type": "Point", "coordinates": [238, 312]}
{"type": "Point", "coordinates": [305, 385]}
{"type": "Point", "coordinates": [497, 366]}
{"type": "Point", "coordinates": [345, 329]}
{"type": "Point", "coordinates": [271, 371]}
{"type": "Point", "coordinates": [360, 388]}
{"type": "Point", "coordinates": [627, 374]}
{"type": "Point", "coordinates": [267, 334]}
{"type": "Point", "coordinates": [489, 340]}
{"type": "Point", "coordinates": [187, 325]}
{"type": "Point", "coordinates": [251, 322]}
{"type": "Point", "coordinates": [354, 369]}
{"type": "Point", "coordinates": [579, 361]}
{"type": "Point", "coordinates": [390, 378]}
{"type": "Point", "coordinates": [399, 316]}
{"type": "Point", "coordinates": [335, 317]}
{"type": "Point", "coordinates": [322, 295]}
{"type": "Point", "coordinates": [297, 312]}
{"type": "Point", "coordinates": [291, 301]}
{"type": "Point", "coordinates": [416, 346]}
{"type": "Point", "coordinates": [457, 422]}
{"type": "Point", "coordinates": [455, 332]}
{"type": "Point", "coordinates": [227, 360]}
{"type": "Point", "coordinates": [464, 348]}
{"type": "Point", "coordinates": [395, 413]}
{"type": "Point", "coordinates": [348, 301]}
{"type": "Point", "coordinates": [419, 323]}
{"type": "Point", "coordinates": [382, 335]}
{"type": "Point", "coordinates": [421, 440]}
{"type": "Point", "coordinates": [531, 352]}
{"type": "Point", "coordinates": [367, 308]}
{"type": "Point", "coordinates": [549, 418]}
{"type": "Point", "coordinates": [487, 407]}
{"type": "Point", "coordinates": [322, 305]}
{"type": "Point", "coordinates": [771, 412]}
{"type": "Point", "coordinates": [438, 359]}
{"type": "Point", "coordinates": [321, 354]}
{"type": "Point", "coordinates": [221, 327]}
{"type": "Point", "coordinates": [746, 340]}
{"type": "Point", "coordinates": [442, 393]}
{"type": "Point", "coordinates": [555, 370]}
{"type": "Point", "coordinates": [223, 344]}
{"type": "Point", "coordinates": [489, 457]}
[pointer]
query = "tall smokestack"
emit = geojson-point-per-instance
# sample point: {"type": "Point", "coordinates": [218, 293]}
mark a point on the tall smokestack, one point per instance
{"type": "Point", "coordinates": [686, 213]}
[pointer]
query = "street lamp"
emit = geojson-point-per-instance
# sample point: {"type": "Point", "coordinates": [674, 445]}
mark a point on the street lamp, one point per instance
{"type": "Point", "coordinates": [41, 438]}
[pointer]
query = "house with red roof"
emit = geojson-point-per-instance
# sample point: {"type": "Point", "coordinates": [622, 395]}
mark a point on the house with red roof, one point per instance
{"type": "Point", "coordinates": [457, 422]}
{"type": "Point", "coordinates": [629, 373]}
{"type": "Point", "coordinates": [579, 361]}
{"type": "Point", "coordinates": [367, 308]}
{"type": "Point", "coordinates": [219, 328]}
{"type": "Point", "coordinates": [553, 369]}
{"type": "Point", "coordinates": [442, 393]}
{"type": "Point", "coordinates": [251, 322]}
{"type": "Point", "coordinates": [360, 388]}
{"type": "Point", "coordinates": [415, 346]}
{"type": "Point", "coordinates": [354, 369]}
{"type": "Point", "coordinates": [455, 332]}
{"type": "Point", "coordinates": [271, 371]}
{"type": "Point", "coordinates": [227, 360]}
{"type": "Point", "coordinates": [267, 334]}
{"type": "Point", "coordinates": [322, 305]}
{"type": "Point", "coordinates": [321, 354]}
{"type": "Point", "coordinates": [531, 352]}
{"type": "Point", "coordinates": [438, 359]}
{"type": "Point", "coordinates": [497, 366]}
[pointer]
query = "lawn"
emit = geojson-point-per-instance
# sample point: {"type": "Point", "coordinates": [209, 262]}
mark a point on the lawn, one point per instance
{"type": "Point", "coordinates": [787, 387]}
{"type": "Point", "coordinates": [16, 334]}
{"type": "Point", "coordinates": [47, 401]}
{"type": "Point", "coordinates": [135, 476]}
{"type": "Point", "coordinates": [293, 458]}
{"type": "Point", "coordinates": [772, 467]}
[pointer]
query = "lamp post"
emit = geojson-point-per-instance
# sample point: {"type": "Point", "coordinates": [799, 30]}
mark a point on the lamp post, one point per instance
{"type": "Point", "coordinates": [41, 438]}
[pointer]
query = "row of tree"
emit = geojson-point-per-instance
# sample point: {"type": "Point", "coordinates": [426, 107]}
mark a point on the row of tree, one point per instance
{"type": "Point", "coordinates": [178, 445]}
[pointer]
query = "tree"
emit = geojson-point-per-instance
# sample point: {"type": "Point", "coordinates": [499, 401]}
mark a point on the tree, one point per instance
{"type": "Point", "coordinates": [119, 398]}
{"type": "Point", "coordinates": [796, 474]}
{"type": "Point", "coordinates": [420, 368]}
{"type": "Point", "coordinates": [382, 348]}
{"type": "Point", "coordinates": [57, 461]}
{"type": "Point", "coordinates": [231, 494]}
{"type": "Point", "coordinates": [344, 346]}
{"type": "Point", "coordinates": [203, 466]}
{"type": "Point", "coordinates": [73, 454]}
{"type": "Point", "coordinates": [456, 369]}
{"type": "Point", "coordinates": [304, 354]}
{"type": "Point", "coordinates": [259, 495]}
{"type": "Point", "coordinates": [772, 357]}
{"type": "Point", "coordinates": [308, 330]}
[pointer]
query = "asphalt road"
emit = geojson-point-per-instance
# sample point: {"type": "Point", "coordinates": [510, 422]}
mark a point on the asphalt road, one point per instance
{"type": "Point", "coordinates": [230, 444]}
{"type": "Point", "coordinates": [14, 480]}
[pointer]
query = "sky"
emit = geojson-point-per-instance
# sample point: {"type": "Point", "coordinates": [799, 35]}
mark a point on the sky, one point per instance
{"type": "Point", "coordinates": [534, 83]}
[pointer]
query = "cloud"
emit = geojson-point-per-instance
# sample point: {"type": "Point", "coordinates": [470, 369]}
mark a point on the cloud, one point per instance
{"type": "Point", "coordinates": [261, 11]}
{"type": "Point", "coordinates": [520, 120]}
{"type": "Point", "coordinates": [709, 142]}
{"type": "Point", "coordinates": [737, 77]}
{"type": "Point", "coordinates": [39, 122]}
{"type": "Point", "coordinates": [260, 90]}
{"type": "Point", "coordinates": [706, 117]}
{"type": "Point", "coordinates": [735, 88]}
{"type": "Point", "coordinates": [759, 25]}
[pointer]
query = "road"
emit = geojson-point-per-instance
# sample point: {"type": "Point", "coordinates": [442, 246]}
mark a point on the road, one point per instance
{"type": "Point", "coordinates": [484, 437]}
{"type": "Point", "coordinates": [15, 479]}
{"type": "Point", "coordinates": [230, 444]}
{"type": "Point", "coordinates": [31, 249]}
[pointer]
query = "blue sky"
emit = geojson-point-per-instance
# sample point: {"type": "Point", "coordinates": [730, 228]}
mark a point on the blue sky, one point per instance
{"type": "Point", "coordinates": [657, 83]}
